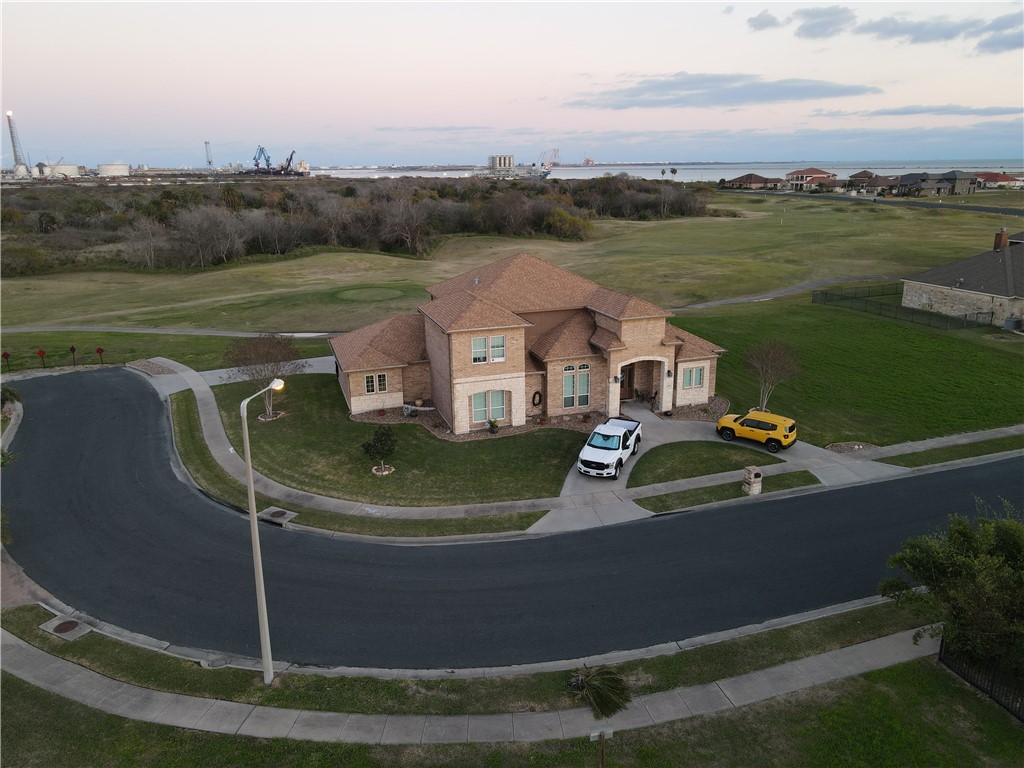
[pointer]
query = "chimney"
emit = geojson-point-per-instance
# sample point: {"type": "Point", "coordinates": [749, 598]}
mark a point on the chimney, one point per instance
{"type": "Point", "coordinates": [1002, 239]}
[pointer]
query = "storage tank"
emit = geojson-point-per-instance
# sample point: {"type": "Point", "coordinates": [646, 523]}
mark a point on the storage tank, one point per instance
{"type": "Point", "coordinates": [113, 169]}
{"type": "Point", "coordinates": [70, 171]}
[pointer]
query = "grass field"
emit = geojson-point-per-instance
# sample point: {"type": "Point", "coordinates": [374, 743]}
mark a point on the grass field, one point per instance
{"type": "Point", "coordinates": [671, 502]}
{"type": "Point", "coordinates": [778, 242]}
{"type": "Point", "coordinates": [202, 353]}
{"type": "Point", "coordinates": [867, 378]}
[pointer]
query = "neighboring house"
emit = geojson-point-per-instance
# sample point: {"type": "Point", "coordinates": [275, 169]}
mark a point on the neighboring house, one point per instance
{"type": "Point", "coordinates": [869, 181]}
{"type": "Point", "coordinates": [988, 180]}
{"type": "Point", "coordinates": [521, 338]}
{"type": "Point", "coordinates": [808, 178]}
{"type": "Point", "coordinates": [936, 184]}
{"type": "Point", "coordinates": [989, 282]}
{"type": "Point", "coordinates": [753, 181]}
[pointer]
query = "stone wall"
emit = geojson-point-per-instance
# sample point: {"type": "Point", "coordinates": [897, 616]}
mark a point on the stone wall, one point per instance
{"type": "Point", "coordinates": [955, 302]}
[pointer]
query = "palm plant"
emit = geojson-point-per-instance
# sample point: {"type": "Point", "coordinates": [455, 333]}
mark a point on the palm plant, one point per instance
{"type": "Point", "coordinates": [603, 688]}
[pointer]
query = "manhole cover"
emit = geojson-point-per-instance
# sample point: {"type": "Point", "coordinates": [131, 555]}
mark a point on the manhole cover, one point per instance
{"type": "Point", "coordinates": [278, 513]}
{"type": "Point", "coordinates": [66, 626]}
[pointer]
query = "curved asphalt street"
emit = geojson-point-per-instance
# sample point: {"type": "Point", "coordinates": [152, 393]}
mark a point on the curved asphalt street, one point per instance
{"type": "Point", "coordinates": [98, 517]}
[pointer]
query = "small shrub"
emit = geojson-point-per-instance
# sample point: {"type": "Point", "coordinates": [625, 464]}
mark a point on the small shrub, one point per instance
{"type": "Point", "coordinates": [603, 688]}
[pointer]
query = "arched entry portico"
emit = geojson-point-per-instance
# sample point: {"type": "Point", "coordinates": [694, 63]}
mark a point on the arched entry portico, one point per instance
{"type": "Point", "coordinates": [643, 377]}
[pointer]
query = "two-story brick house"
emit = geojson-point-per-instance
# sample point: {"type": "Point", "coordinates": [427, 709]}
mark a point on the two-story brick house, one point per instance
{"type": "Point", "coordinates": [521, 338]}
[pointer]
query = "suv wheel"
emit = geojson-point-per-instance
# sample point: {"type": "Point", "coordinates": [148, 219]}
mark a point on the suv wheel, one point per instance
{"type": "Point", "coordinates": [636, 446]}
{"type": "Point", "coordinates": [727, 434]}
{"type": "Point", "coordinates": [618, 470]}
{"type": "Point", "coordinates": [773, 446]}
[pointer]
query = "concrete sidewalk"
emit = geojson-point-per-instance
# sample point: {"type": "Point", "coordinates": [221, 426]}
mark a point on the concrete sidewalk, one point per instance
{"type": "Point", "coordinates": [584, 502]}
{"type": "Point", "coordinates": [215, 716]}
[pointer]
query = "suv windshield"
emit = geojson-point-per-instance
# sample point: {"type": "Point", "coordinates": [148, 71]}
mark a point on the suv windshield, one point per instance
{"type": "Point", "coordinates": [604, 442]}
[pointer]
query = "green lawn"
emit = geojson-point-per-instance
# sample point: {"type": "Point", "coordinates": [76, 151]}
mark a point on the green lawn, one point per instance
{"type": "Point", "coordinates": [208, 475]}
{"type": "Point", "coordinates": [670, 502]}
{"type": "Point", "coordinates": [867, 378]}
{"type": "Point", "coordinates": [676, 461]}
{"type": "Point", "coordinates": [954, 452]}
{"type": "Point", "coordinates": [316, 448]}
{"type": "Point", "coordinates": [914, 714]}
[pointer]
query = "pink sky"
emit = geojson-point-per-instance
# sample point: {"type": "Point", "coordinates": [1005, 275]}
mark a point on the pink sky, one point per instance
{"type": "Point", "coordinates": [404, 83]}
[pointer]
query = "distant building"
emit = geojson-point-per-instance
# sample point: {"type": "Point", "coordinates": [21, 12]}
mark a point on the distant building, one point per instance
{"type": "Point", "coordinates": [753, 181]}
{"type": "Point", "coordinates": [937, 185]}
{"type": "Point", "coordinates": [998, 181]}
{"type": "Point", "coordinates": [808, 178]}
{"type": "Point", "coordinates": [992, 281]}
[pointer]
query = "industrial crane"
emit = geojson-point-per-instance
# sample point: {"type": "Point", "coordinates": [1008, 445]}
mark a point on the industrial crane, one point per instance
{"type": "Point", "coordinates": [261, 153]}
{"type": "Point", "coordinates": [20, 166]}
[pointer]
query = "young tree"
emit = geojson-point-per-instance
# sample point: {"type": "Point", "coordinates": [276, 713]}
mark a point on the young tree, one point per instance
{"type": "Point", "coordinates": [382, 445]}
{"type": "Point", "coordinates": [603, 688]}
{"type": "Point", "coordinates": [974, 577]}
{"type": "Point", "coordinates": [262, 359]}
{"type": "Point", "coordinates": [772, 362]}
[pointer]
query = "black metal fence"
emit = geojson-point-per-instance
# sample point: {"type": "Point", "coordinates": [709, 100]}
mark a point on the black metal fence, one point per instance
{"type": "Point", "coordinates": [856, 298]}
{"type": "Point", "coordinates": [1005, 689]}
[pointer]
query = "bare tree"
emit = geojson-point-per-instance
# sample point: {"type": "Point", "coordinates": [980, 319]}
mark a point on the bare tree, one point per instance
{"type": "Point", "coordinates": [405, 222]}
{"type": "Point", "coordinates": [772, 362]}
{"type": "Point", "coordinates": [143, 238]}
{"type": "Point", "coordinates": [262, 359]}
{"type": "Point", "coordinates": [209, 234]}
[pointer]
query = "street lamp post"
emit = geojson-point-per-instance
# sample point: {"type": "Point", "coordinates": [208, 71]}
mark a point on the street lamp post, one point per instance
{"type": "Point", "coordinates": [257, 559]}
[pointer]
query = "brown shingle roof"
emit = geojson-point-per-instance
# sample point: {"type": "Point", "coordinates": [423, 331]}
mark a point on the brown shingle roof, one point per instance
{"type": "Point", "coordinates": [464, 311]}
{"type": "Point", "coordinates": [570, 338]}
{"type": "Point", "coordinates": [524, 283]}
{"type": "Point", "coordinates": [390, 343]}
{"type": "Point", "coordinates": [688, 346]}
{"type": "Point", "coordinates": [606, 340]}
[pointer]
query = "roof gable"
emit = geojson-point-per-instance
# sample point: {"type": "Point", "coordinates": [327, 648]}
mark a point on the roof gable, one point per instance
{"type": "Point", "coordinates": [465, 311]}
{"type": "Point", "coordinates": [570, 338]}
{"type": "Point", "coordinates": [522, 284]}
{"type": "Point", "coordinates": [390, 343]}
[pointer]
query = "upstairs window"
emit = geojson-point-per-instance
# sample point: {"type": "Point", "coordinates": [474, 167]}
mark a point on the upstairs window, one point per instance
{"type": "Point", "coordinates": [497, 349]}
{"type": "Point", "coordinates": [479, 349]}
{"type": "Point", "coordinates": [488, 350]}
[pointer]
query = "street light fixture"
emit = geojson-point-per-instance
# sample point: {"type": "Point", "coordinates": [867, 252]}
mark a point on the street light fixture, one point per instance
{"type": "Point", "coordinates": [257, 559]}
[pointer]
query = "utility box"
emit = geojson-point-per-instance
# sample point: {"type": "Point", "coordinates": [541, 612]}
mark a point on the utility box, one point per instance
{"type": "Point", "coordinates": [751, 481]}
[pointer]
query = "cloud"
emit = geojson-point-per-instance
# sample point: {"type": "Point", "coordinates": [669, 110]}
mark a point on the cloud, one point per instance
{"type": "Point", "coordinates": [763, 20]}
{"type": "Point", "coordinates": [728, 9]}
{"type": "Point", "coordinates": [684, 89]}
{"type": "Point", "coordinates": [818, 23]}
{"type": "Point", "coordinates": [945, 109]}
{"type": "Point", "coordinates": [919, 31]}
{"type": "Point", "coordinates": [1005, 33]}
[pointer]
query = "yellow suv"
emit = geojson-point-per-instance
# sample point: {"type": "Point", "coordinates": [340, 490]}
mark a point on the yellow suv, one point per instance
{"type": "Point", "coordinates": [771, 429]}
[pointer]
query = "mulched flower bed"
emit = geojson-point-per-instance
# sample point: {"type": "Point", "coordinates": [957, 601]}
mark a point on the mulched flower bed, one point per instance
{"type": "Point", "coordinates": [434, 424]}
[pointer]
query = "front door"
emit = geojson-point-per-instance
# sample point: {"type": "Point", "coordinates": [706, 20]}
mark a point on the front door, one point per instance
{"type": "Point", "coordinates": [626, 382]}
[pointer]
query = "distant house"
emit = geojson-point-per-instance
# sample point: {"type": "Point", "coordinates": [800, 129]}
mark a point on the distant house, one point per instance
{"type": "Point", "coordinates": [934, 184]}
{"type": "Point", "coordinates": [992, 281]}
{"type": "Point", "coordinates": [869, 181]}
{"type": "Point", "coordinates": [808, 178]}
{"type": "Point", "coordinates": [521, 338]}
{"type": "Point", "coordinates": [987, 180]}
{"type": "Point", "coordinates": [753, 181]}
